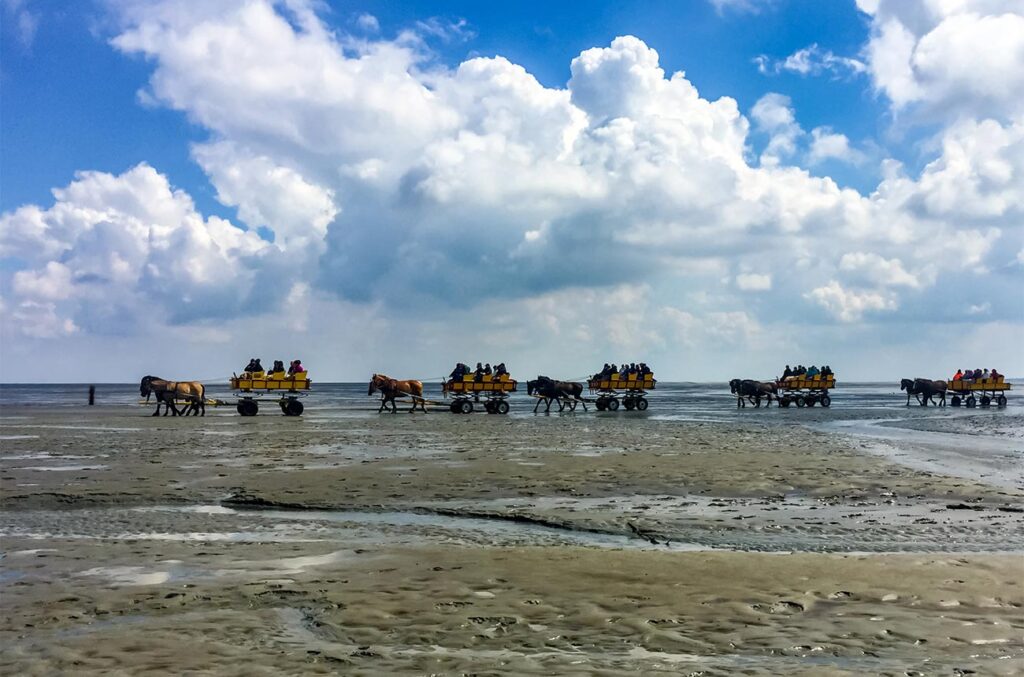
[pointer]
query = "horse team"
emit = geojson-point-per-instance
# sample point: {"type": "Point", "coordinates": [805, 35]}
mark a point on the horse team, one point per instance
{"type": "Point", "coordinates": [548, 391]}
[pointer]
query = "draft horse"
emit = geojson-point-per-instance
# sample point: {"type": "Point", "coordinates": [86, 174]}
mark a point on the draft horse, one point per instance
{"type": "Point", "coordinates": [390, 389]}
{"type": "Point", "coordinates": [166, 392]}
{"type": "Point", "coordinates": [749, 390]}
{"type": "Point", "coordinates": [924, 390]}
{"type": "Point", "coordinates": [549, 390]}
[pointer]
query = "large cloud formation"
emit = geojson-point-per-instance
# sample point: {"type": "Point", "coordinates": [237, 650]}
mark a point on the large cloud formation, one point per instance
{"type": "Point", "coordinates": [397, 185]}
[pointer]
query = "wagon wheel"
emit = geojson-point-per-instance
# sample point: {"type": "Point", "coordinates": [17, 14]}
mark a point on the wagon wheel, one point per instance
{"type": "Point", "coordinates": [466, 406]}
{"type": "Point", "coordinates": [454, 407]}
{"type": "Point", "coordinates": [955, 401]}
{"type": "Point", "coordinates": [612, 404]}
{"type": "Point", "coordinates": [785, 401]}
{"type": "Point", "coordinates": [293, 407]}
{"type": "Point", "coordinates": [971, 402]}
{"type": "Point", "coordinates": [489, 407]}
{"type": "Point", "coordinates": [501, 407]}
{"type": "Point", "coordinates": [248, 407]}
{"type": "Point", "coordinates": [800, 401]}
{"type": "Point", "coordinates": [1001, 401]}
{"type": "Point", "coordinates": [811, 400]}
{"type": "Point", "coordinates": [826, 401]}
{"type": "Point", "coordinates": [985, 400]}
{"type": "Point", "coordinates": [641, 404]}
{"type": "Point", "coordinates": [601, 403]}
{"type": "Point", "coordinates": [629, 403]}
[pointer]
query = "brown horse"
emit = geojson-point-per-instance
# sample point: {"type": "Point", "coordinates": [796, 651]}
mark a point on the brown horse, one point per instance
{"type": "Point", "coordinates": [167, 392]}
{"type": "Point", "coordinates": [924, 390]}
{"type": "Point", "coordinates": [392, 388]}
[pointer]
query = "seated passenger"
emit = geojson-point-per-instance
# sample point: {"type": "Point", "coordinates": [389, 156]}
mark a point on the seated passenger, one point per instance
{"type": "Point", "coordinates": [251, 367]}
{"type": "Point", "coordinates": [612, 370]}
{"type": "Point", "coordinates": [500, 370]}
{"type": "Point", "coordinates": [995, 375]}
{"type": "Point", "coordinates": [295, 367]}
{"type": "Point", "coordinates": [812, 372]}
{"type": "Point", "coordinates": [256, 366]}
{"type": "Point", "coordinates": [487, 369]}
{"type": "Point", "coordinates": [787, 372]}
{"type": "Point", "coordinates": [644, 369]}
{"type": "Point", "coordinates": [278, 367]}
{"type": "Point", "coordinates": [985, 374]}
{"type": "Point", "coordinates": [977, 373]}
{"type": "Point", "coordinates": [958, 375]}
{"type": "Point", "coordinates": [478, 373]}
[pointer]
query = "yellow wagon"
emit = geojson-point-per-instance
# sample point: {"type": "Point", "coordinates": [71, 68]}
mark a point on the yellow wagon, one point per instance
{"type": "Point", "coordinates": [469, 389]}
{"type": "Point", "coordinates": [806, 391]}
{"type": "Point", "coordinates": [633, 388]}
{"type": "Point", "coordinates": [983, 391]}
{"type": "Point", "coordinates": [252, 385]}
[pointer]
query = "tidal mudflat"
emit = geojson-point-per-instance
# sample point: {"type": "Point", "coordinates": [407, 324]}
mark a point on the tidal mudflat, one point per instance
{"type": "Point", "coordinates": [754, 543]}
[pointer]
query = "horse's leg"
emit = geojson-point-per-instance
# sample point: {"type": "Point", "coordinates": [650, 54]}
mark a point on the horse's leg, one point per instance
{"type": "Point", "coordinates": [908, 397]}
{"type": "Point", "coordinates": [536, 405]}
{"type": "Point", "coordinates": [157, 412]}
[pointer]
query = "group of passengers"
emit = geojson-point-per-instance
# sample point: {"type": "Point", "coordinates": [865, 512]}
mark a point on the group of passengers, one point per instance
{"type": "Point", "coordinates": [294, 367]}
{"type": "Point", "coordinates": [461, 370]}
{"type": "Point", "coordinates": [976, 374]}
{"type": "Point", "coordinates": [627, 370]}
{"type": "Point", "coordinates": [802, 372]}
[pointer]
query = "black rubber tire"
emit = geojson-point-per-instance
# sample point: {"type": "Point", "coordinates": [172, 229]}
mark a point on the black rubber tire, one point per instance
{"type": "Point", "coordinates": [641, 404]}
{"type": "Point", "coordinates": [501, 407]}
{"type": "Point", "coordinates": [955, 402]}
{"type": "Point", "coordinates": [489, 407]}
{"type": "Point", "coordinates": [800, 401]}
{"type": "Point", "coordinates": [785, 401]}
{"type": "Point", "coordinates": [629, 403]}
{"type": "Point", "coordinates": [248, 407]}
{"type": "Point", "coordinates": [612, 404]}
{"type": "Point", "coordinates": [601, 404]}
{"type": "Point", "coordinates": [971, 402]}
{"type": "Point", "coordinates": [1001, 401]}
{"type": "Point", "coordinates": [454, 407]}
{"type": "Point", "coordinates": [826, 401]}
{"type": "Point", "coordinates": [293, 408]}
{"type": "Point", "coordinates": [811, 400]}
{"type": "Point", "coordinates": [466, 406]}
{"type": "Point", "coordinates": [985, 400]}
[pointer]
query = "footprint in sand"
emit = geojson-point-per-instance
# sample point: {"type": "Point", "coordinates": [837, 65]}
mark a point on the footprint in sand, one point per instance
{"type": "Point", "coordinates": [780, 607]}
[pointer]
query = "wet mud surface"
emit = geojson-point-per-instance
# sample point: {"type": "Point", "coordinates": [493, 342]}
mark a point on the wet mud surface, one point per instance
{"type": "Point", "coordinates": [486, 545]}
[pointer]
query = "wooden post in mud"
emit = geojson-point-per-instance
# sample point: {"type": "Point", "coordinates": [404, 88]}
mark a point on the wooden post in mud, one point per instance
{"type": "Point", "coordinates": [92, 395]}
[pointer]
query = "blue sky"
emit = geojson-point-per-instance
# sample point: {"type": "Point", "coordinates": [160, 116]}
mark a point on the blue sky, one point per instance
{"type": "Point", "coordinates": [70, 100]}
{"type": "Point", "coordinates": [405, 166]}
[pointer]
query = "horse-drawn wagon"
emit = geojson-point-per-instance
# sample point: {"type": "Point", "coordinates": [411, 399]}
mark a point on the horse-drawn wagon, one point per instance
{"type": "Point", "coordinates": [632, 388]}
{"type": "Point", "coordinates": [983, 391]}
{"type": "Point", "coordinates": [806, 391]}
{"type": "Point", "coordinates": [253, 385]}
{"type": "Point", "coordinates": [470, 387]}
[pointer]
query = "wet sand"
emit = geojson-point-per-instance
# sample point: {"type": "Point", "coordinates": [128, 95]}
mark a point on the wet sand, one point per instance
{"type": "Point", "coordinates": [444, 544]}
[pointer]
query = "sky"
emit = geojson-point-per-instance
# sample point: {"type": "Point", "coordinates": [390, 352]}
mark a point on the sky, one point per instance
{"type": "Point", "coordinates": [717, 187]}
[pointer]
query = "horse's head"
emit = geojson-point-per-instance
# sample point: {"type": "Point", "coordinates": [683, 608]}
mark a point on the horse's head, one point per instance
{"type": "Point", "coordinates": [374, 384]}
{"type": "Point", "coordinates": [906, 384]}
{"type": "Point", "coordinates": [146, 387]}
{"type": "Point", "coordinates": [530, 387]}
{"type": "Point", "coordinates": [734, 385]}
